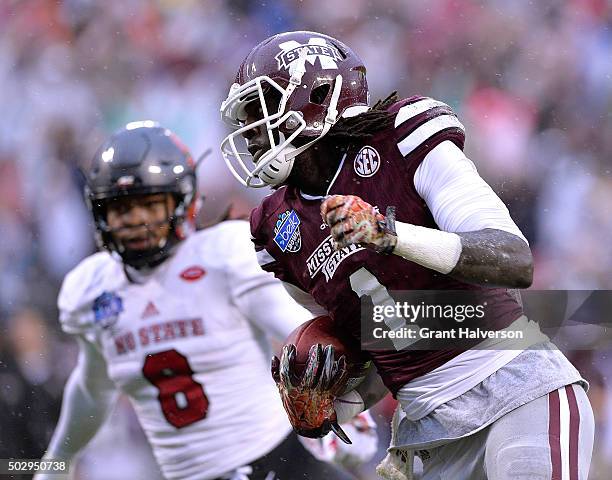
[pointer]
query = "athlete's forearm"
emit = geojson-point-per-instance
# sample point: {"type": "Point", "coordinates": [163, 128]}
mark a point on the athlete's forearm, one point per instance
{"type": "Point", "coordinates": [81, 417]}
{"type": "Point", "coordinates": [271, 308]}
{"type": "Point", "coordinates": [367, 394]}
{"type": "Point", "coordinates": [486, 257]}
{"type": "Point", "coordinates": [494, 258]}
{"type": "Point", "coordinates": [88, 398]}
{"type": "Point", "coordinates": [372, 390]}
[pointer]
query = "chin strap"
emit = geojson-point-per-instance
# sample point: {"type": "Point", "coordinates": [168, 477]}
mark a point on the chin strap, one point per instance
{"type": "Point", "coordinates": [298, 69]}
{"type": "Point", "coordinates": [332, 111]}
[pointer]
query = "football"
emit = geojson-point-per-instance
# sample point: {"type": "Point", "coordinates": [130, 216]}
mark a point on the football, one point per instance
{"type": "Point", "coordinates": [323, 330]}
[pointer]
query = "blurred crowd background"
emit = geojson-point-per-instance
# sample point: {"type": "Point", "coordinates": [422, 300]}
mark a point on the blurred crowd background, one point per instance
{"type": "Point", "coordinates": [531, 81]}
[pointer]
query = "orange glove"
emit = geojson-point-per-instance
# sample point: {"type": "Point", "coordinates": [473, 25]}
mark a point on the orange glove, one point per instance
{"type": "Point", "coordinates": [353, 220]}
{"type": "Point", "coordinates": [309, 399]}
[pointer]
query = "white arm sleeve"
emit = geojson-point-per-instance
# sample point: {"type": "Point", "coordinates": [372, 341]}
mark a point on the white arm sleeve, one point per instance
{"type": "Point", "coordinates": [459, 199]}
{"type": "Point", "coordinates": [88, 397]}
{"type": "Point", "coordinates": [305, 300]}
{"type": "Point", "coordinates": [272, 309]}
{"type": "Point", "coordinates": [256, 293]}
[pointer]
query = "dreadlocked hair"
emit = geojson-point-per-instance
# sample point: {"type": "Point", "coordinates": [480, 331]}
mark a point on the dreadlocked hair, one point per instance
{"type": "Point", "coordinates": [364, 125]}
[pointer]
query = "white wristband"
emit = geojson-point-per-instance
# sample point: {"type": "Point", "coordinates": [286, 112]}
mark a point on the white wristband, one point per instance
{"type": "Point", "coordinates": [431, 248]}
{"type": "Point", "coordinates": [348, 405]}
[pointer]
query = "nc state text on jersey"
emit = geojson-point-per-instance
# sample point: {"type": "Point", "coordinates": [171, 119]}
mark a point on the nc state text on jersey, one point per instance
{"type": "Point", "coordinates": [158, 333]}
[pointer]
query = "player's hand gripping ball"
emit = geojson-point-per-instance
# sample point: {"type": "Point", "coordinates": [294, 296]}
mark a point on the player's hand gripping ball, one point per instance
{"type": "Point", "coordinates": [309, 398]}
{"type": "Point", "coordinates": [319, 362]}
{"type": "Point", "coordinates": [354, 221]}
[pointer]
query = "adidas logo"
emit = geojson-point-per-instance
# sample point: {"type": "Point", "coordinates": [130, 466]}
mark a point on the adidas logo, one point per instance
{"type": "Point", "coordinates": [149, 311]}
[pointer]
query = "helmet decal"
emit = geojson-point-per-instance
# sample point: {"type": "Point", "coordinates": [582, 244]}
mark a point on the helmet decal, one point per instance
{"type": "Point", "coordinates": [317, 48]}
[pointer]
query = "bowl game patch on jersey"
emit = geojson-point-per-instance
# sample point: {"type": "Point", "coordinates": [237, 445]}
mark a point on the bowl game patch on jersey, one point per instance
{"type": "Point", "coordinates": [287, 232]}
{"type": "Point", "coordinates": [107, 308]}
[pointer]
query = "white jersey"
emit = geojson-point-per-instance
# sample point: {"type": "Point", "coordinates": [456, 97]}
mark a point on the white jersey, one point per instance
{"type": "Point", "coordinates": [196, 370]}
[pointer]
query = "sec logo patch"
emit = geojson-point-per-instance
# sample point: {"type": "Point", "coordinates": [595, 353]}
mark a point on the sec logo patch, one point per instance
{"type": "Point", "coordinates": [367, 162]}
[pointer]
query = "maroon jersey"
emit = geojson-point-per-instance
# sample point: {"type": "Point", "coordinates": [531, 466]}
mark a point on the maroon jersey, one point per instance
{"type": "Point", "coordinates": [294, 244]}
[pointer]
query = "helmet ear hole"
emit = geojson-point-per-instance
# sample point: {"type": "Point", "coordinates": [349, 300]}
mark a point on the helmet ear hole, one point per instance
{"type": "Point", "coordinates": [319, 94]}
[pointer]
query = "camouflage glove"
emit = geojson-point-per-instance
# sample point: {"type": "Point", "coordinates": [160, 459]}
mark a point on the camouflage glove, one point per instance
{"type": "Point", "coordinates": [309, 399]}
{"type": "Point", "coordinates": [352, 221]}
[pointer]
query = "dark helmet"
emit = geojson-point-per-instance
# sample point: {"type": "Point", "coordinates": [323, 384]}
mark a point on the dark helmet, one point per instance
{"type": "Point", "coordinates": [318, 80]}
{"type": "Point", "coordinates": [143, 158]}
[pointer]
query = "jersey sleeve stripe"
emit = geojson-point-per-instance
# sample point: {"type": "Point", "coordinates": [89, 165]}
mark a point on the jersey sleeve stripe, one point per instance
{"type": "Point", "coordinates": [426, 131]}
{"type": "Point", "coordinates": [410, 125]}
{"type": "Point", "coordinates": [264, 258]}
{"type": "Point", "coordinates": [412, 110]}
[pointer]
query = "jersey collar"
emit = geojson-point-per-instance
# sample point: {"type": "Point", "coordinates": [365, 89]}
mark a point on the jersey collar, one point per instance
{"type": "Point", "coordinates": [306, 196]}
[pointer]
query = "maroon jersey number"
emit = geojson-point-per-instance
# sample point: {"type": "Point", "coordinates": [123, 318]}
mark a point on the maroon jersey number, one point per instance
{"type": "Point", "coordinates": [182, 399]}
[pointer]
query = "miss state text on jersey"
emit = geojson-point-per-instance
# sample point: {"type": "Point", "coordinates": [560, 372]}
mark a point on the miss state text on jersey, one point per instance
{"type": "Point", "coordinates": [195, 368]}
{"type": "Point", "coordinates": [381, 171]}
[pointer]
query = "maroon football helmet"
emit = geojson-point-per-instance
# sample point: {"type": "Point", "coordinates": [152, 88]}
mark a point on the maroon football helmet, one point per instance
{"type": "Point", "coordinates": [317, 78]}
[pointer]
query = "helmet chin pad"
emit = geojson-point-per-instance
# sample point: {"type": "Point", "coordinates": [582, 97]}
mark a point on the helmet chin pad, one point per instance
{"type": "Point", "coordinates": [275, 166]}
{"type": "Point", "coordinates": [277, 171]}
